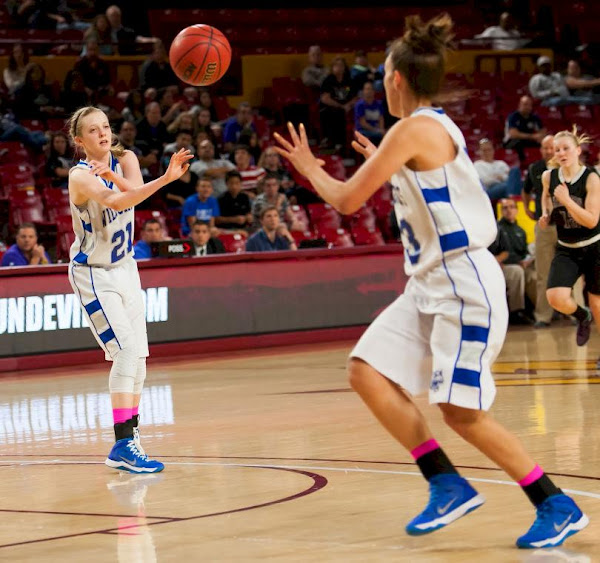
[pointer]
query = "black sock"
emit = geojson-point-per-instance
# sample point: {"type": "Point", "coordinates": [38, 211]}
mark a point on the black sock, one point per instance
{"type": "Point", "coordinates": [435, 463]}
{"type": "Point", "coordinates": [124, 429]}
{"type": "Point", "coordinates": [136, 420]}
{"type": "Point", "coordinates": [581, 314]}
{"type": "Point", "coordinates": [540, 490]}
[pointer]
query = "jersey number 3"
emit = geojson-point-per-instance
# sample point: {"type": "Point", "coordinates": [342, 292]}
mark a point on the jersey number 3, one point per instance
{"type": "Point", "coordinates": [119, 240]}
{"type": "Point", "coordinates": [411, 244]}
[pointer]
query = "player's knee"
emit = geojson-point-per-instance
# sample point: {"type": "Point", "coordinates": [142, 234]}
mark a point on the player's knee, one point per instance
{"type": "Point", "coordinates": [357, 376]}
{"type": "Point", "coordinates": [123, 371]}
{"type": "Point", "coordinates": [459, 419]}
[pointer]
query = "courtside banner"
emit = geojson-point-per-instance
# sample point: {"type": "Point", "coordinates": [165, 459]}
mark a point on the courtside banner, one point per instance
{"type": "Point", "coordinates": [209, 297]}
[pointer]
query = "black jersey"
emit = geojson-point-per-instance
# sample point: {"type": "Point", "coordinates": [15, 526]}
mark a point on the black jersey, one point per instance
{"type": "Point", "coordinates": [570, 232]}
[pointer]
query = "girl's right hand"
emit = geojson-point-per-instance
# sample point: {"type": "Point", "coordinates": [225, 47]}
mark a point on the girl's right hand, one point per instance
{"type": "Point", "coordinates": [544, 220]}
{"type": "Point", "coordinates": [363, 145]}
{"type": "Point", "coordinates": [178, 165]}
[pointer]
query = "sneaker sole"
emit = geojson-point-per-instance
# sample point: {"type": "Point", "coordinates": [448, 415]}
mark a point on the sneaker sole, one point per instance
{"type": "Point", "coordinates": [124, 466]}
{"type": "Point", "coordinates": [569, 530]}
{"type": "Point", "coordinates": [443, 521]}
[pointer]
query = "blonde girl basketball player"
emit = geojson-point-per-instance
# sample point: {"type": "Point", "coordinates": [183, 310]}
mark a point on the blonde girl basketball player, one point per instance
{"type": "Point", "coordinates": [571, 200]}
{"type": "Point", "coordinates": [103, 189]}
{"type": "Point", "coordinates": [445, 331]}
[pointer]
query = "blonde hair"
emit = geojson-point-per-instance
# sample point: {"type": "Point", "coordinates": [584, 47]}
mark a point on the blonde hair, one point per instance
{"type": "Point", "coordinates": [75, 124]}
{"type": "Point", "coordinates": [578, 140]}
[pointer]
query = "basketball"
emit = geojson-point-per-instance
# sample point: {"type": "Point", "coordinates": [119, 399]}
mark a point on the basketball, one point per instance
{"type": "Point", "coordinates": [200, 55]}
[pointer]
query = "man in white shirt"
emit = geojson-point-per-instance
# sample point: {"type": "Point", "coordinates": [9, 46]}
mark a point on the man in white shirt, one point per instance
{"type": "Point", "coordinates": [498, 179]}
{"type": "Point", "coordinates": [505, 37]}
{"type": "Point", "coordinates": [551, 87]}
{"type": "Point", "coordinates": [207, 165]}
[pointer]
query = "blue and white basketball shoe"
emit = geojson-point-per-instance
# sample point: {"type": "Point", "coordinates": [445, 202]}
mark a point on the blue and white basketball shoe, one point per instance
{"type": "Point", "coordinates": [558, 517]}
{"type": "Point", "coordinates": [125, 455]}
{"type": "Point", "coordinates": [450, 497]}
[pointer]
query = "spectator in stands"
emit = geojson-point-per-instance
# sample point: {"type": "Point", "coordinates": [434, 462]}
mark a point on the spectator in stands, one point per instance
{"type": "Point", "coordinates": [498, 179]}
{"type": "Point", "coordinates": [272, 236]}
{"type": "Point", "coordinates": [183, 122]}
{"type": "Point", "coordinates": [272, 197]}
{"type": "Point", "coordinates": [152, 129]}
{"type": "Point", "coordinates": [271, 162]}
{"type": "Point", "coordinates": [550, 87]}
{"type": "Point", "coordinates": [46, 14]}
{"type": "Point", "coordinates": [74, 95]}
{"type": "Point", "coordinates": [59, 160]}
{"type": "Point", "coordinates": [203, 124]}
{"type": "Point", "coordinates": [545, 239]}
{"type": "Point", "coordinates": [523, 128]}
{"type": "Point", "coordinates": [361, 70]}
{"type": "Point", "coordinates": [124, 37]}
{"type": "Point", "coordinates": [94, 70]}
{"type": "Point", "coordinates": [147, 157]}
{"type": "Point", "coordinates": [236, 210]}
{"type": "Point", "coordinates": [504, 36]}
{"type": "Point", "coordinates": [207, 165]}
{"type": "Point", "coordinates": [249, 138]}
{"type": "Point", "coordinates": [582, 85]}
{"type": "Point", "coordinates": [134, 107]}
{"type": "Point", "coordinates": [202, 205]}
{"type": "Point", "coordinates": [234, 125]}
{"type": "Point", "coordinates": [26, 251]}
{"type": "Point", "coordinates": [518, 266]}
{"type": "Point", "coordinates": [14, 73]}
{"type": "Point", "coordinates": [152, 231]}
{"type": "Point", "coordinates": [179, 190]}
{"type": "Point", "coordinates": [100, 32]}
{"type": "Point", "coordinates": [368, 115]}
{"type": "Point", "coordinates": [156, 72]}
{"type": "Point", "coordinates": [338, 96]}
{"type": "Point", "coordinates": [202, 241]}
{"type": "Point", "coordinates": [169, 108]}
{"type": "Point", "coordinates": [314, 74]}
{"type": "Point", "coordinates": [250, 174]}
{"type": "Point", "coordinates": [183, 140]}
{"type": "Point", "coordinates": [34, 100]}
{"type": "Point", "coordinates": [205, 101]}
{"type": "Point", "coordinates": [10, 130]}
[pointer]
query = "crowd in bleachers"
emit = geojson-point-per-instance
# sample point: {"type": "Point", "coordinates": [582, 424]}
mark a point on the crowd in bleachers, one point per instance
{"type": "Point", "coordinates": [236, 179]}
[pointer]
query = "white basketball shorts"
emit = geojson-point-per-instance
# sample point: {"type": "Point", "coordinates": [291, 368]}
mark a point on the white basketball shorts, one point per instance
{"type": "Point", "coordinates": [112, 301]}
{"type": "Point", "coordinates": [444, 332]}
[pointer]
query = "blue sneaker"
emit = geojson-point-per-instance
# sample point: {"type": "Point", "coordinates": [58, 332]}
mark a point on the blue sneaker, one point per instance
{"type": "Point", "coordinates": [451, 497]}
{"type": "Point", "coordinates": [125, 455]}
{"type": "Point", "coordinates": [558, 517]}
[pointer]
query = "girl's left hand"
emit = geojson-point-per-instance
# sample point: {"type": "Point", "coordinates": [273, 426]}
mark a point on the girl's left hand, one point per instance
{"type": "Point", "coordinates": [561, 193]}
{"type": "Point", "coordinates": [298, 152]}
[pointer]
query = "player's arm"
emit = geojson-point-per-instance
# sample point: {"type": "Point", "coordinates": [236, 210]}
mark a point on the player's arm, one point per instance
{"type": "Point", "coordinates": [402, 143]}
{"type": "Point", "coordinates": [546, 200]}
{"type": "Point", "coordinates": [82, 189]}
{"type": "Point", "coordinates": [589, 215]}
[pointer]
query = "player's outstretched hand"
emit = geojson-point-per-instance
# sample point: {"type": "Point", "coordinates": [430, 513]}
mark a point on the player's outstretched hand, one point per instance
{"type": "Point", "coordinates": [178, 165]}
{"type": "Point", "coordinates": [363, 145]}
{"type": "Point", "coordinates": [298, 152]}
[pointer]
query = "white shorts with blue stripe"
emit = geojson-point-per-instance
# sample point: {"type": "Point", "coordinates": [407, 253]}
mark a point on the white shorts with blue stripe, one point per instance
{"type": "Point", "coordinates": [444, 332]}
{"type": "Point", "coordinates": [112, 301]}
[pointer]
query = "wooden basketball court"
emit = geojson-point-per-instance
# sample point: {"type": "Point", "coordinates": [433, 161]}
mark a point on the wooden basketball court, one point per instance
{"type": "Point", "coordinates": [271, 456]}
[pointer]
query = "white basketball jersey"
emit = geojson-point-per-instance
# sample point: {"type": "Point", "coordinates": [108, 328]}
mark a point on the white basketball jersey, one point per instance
{"type": "Point", "coordinates": [103, 237]}
{"type": "Point", "coordinates": [444, 211]}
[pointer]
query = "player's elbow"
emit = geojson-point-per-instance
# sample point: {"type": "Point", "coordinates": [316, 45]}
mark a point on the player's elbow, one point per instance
{"type": "Point", "coordinates": [116, 203]}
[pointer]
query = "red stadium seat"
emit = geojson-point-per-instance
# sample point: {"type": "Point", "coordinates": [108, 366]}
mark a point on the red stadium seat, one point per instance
{"type": "Point", "coordinates": [300, 217]}
{"type": "Point", "coordinates": [323, 216]}
{"type": "Point", "coordinates": [299, 236]}
{"type": "Point", "coordinates": [144, 215]}
{"type": "Point", "coordinates": [15, 152]}
{"type": "Point", "coordinates": [363, 236]}
{"type": "Point", "coordinates": [233, 242]}
{"type": "Point", "coordinates": [26, 206]}
{"type": "Point", "coordinates": [15, 176]}
{"type": "Point", "coordinates": [364, 217]}
{"type": "Point", "coordinates": [339, 238]}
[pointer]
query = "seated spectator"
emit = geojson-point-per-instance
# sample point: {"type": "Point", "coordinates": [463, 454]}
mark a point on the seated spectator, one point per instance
{"type": "Point", "coordinates": [203, 243]}
{"type": "Point", "coordinates": [202, 205]}
{"type": "Point", "coordinates": [183, 122]}
{"type": "Point", "coordinates": [234, 125]}
{"type": "Point", "coordinates": [169, 108]}
{"type": "Point", "coordinates": [74, 94]}
{"type": "Point", "coordinates": [208, 166]}
{"type": "Point", "coordinates": [203, 124]}
{"type": "Point", "coordinates": [183, 140]}
{"type": "Point", "coordinates": [152, 231]}
{"type": "Point", "coordinates": [272, 236]}
{"type": "Point", "coordinates": [236, 210]}
{"type": "Point", "coordinates": [12, 131]}
{"type": "Point", "coordinates": [147, 157]}
{"type": "Point", "coordinates": [511, 251]}
{"type": "Point", "coordinates": [14, 73]}
{"type": "Point", "coordinates": [271, 197]}
{"type": "Point", "coordinates": [181, 189]}
{"type": "Point", "coordinates": [314, 74]}
{"type": "Point", "coordinates": [523, 128]}
{"type": "Point", "coordinates": [205, 102]}
{"type": "Point", "coordinates": [59, 160]}
{"type": "Point", "coordinates": [498, 179]}
{"type": "Point", "coordinates": [151, 128]}
{"type": "Point", "coordinates": [271, 162]}
{"type": "Point", "coordinates": [249, 138]}
{"type": "Point", "coordinates": [504, 36]}
{"type": "Point", "coordinates": [582, 85]}
{"type": "Point", "coordinates": [156, 72]}
{"type": "Point", "coordinates": [34, 100]}
{"type": "Point", "coordinates": [250, 174]}
{"type": "Point", "coordinates": [134, 107]}
{"type": "Point", "coordinates": [125, 38]}
{"type": "Point", "coordinates": [94, 70]}
{"type": "Point", "coordinates": [361, 71]}
{"type": "Point", "coordinates": [100, 31]}
{"type": "Point", "coordinates": [550, 87]}
{"type": "Point", "coordinates": [26, 251]}
{"type": "Point", "coordinates": [368, 115]}
{"type": "Point", "coordinates": [338, 96]}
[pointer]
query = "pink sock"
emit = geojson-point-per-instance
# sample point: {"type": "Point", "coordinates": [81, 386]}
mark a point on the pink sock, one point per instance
{"type": "Point", "coordinates": [121, 415]}
{"type": "Point", "coordinates": [135, 411]}
{"type": "Point", "coordinates": [424, 448]}
{"type": "Point", "coordinates": [533, 476]}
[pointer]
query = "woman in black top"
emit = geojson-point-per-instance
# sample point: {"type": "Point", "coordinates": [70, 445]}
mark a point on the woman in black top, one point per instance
{"type": "Point", "coordinates": [59, 160]}
{"type": "Point", "coordinates": [571, 200]}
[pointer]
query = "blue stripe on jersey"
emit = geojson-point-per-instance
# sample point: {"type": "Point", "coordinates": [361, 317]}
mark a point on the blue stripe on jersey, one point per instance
{"type": "Point", "coordinates": [433, 195]}
{"type": "Point", "coordinates": [103, 312]}
{"type": "Point", "coordinates": [81, 298]}
{"type": "Point", "coordinates": [92, 307]}
{"type": "Point", "coordinates": [452, 241]}
{"type": "Point", "coordinates": [466, 377]}
{"type": "Point", "coordinates": [475, 333]}
{"type": "Point", "coordinates": [436, 110]}
{"type": "Point", "coordinates": [86, 226]}
{"type": "Point", "coordinates": [81, 258]}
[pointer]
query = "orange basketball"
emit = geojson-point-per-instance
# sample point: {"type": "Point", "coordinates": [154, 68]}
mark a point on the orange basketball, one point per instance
{"type": "Point", "coordinates": [200, 55]}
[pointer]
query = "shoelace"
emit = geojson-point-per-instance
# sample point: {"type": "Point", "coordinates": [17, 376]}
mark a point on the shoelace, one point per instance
{"type": "Point", "coordinates": [134, 450]}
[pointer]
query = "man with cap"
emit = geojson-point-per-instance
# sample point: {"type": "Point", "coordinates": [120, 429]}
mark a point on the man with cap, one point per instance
{"type": "Point", "coordinates": [550, 87]}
